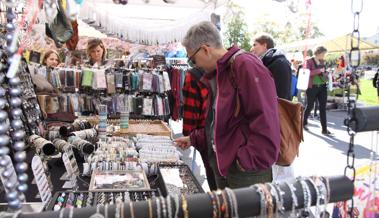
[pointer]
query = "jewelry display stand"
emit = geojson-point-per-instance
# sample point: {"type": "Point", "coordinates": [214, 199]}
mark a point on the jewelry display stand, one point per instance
{"type": "Point", "coordinates": [41, 180]}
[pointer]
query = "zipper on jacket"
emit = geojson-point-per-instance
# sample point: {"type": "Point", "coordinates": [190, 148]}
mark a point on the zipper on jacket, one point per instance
{"type": "Point", "coordinates": [215, 122]}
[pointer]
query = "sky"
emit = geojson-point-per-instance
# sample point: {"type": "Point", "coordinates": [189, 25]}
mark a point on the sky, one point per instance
{"type": "Point", "coordinates": [334, 17]}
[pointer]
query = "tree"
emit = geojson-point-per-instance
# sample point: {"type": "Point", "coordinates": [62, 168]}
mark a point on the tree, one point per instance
{"type": "Point", "coordinates": [236, 28]}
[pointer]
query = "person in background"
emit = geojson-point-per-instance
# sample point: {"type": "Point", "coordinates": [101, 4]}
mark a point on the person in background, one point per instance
{"type": "Point", "coordinates": [96, 53]}
{"type": "Point", "coordinates": [195, 94]}
{"type": "Point", "coordinates": [317, 88]}
{"type": "Point", "coordinates": [51, 59]}
{"type": "Point", "coordinates": [275, 60]}
{"type": "Point", "coordinates": [375, 82]}
{"type": "Point", "coordinates": [242, 133]}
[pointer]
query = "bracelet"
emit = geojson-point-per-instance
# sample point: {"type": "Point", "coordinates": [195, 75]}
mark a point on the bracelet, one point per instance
{"type": "Point", "coordinates": [221, 202]}
{"type": "Point", "coordinates": [307, 197]}
{"type": "Point", "coordinates": [323, 192]}
{"type": "Point", "coordinates": [262, 200]}
{"type": "Point", "coordinates": [294, 198]}
{"type": "Point", "coordinates": [185, 207]}
{"type": "Point", "coordinates": [318, 197]}
{"type": "Point", "coordinates": [274, 194]}
{"type": "Point", "coordinates": [71, 213]}
{"type": "Point", "coordinates": [164, 209]}
{"type": "Point", "coordinates": [169, 206]}
{"type": "Point", "coordinates": [268, 199]}
{"type": "Point", "coordinates": [280, 203]}
{"type": "Point", "coordinates": [150, 208]}
{"type": "Point", "coordinates": [131, 209]}
{"type": "Point", "coordinates": [226, 203]}
{"type": "Point", "coordinates": [157, 201]}
{"type": "Point", "coordinates": [218, 205]}
{"type": "Point", "coordinates": [122, 210]}
{"type": "Point", "coordinates": [106, 211]}
{"type": "Point", "coordinates": [234, 203]}
{"type": "Point", "coordinates": [117, 211]}
{"type": "Point", "coordinates": [213, 202]}
{"type": "Point", "coordinates": [177, 207]}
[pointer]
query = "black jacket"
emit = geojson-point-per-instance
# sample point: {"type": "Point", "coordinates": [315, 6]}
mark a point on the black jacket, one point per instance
{"type": "Point", "coordinates": [280, 68]}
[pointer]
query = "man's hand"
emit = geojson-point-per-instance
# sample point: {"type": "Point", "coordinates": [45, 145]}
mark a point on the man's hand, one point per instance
{"type": "Point", "coordinates": [183, 142]}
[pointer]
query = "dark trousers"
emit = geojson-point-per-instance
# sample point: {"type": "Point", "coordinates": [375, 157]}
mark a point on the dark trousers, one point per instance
{"type": "Point", "coordinates": [320, 93]}
{"type": "Point", "coordinates": [208, 171]}
{"type": "Point", "coordinates": [237, 178]}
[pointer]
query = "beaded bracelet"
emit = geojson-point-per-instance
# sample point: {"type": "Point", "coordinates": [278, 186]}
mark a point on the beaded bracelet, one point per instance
{"type": "Point", "coordinates": [214, 205]}
{"type": "Point", "coordinates": [318, 197]}
{"type": "Point", "coordinates": [294, 198]}
{"type": "Point", "coordinates": [268, 199]}
{"type": "Point", "coordinates": [323, 192]}
{"type": "Point", "coordinates": [262, 200]}
{"type": "Point", "coordinates": [233, 198]}
{"type": "Point", "coordinates": [274, 193]}
{"type": "Point", "coordinates": [307, 196]}
{"type": "Point", "coordinates": [280, 203]}
{"type": "Point", "coordinates": [221, 203]}
{"type": "Point", "coordinates": [226, 203]}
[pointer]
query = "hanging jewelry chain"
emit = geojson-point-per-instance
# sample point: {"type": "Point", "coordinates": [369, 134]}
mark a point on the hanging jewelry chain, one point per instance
{"type": "Point", "coordinates": [355, 59]}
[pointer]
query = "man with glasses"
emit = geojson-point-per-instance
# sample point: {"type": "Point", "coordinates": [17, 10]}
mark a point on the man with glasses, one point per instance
{"type": "Point", "coordinates": [242, 127]}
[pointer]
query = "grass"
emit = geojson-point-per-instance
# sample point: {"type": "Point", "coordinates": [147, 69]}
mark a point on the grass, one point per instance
{"type": "Point", "coordinates": [369, 94]}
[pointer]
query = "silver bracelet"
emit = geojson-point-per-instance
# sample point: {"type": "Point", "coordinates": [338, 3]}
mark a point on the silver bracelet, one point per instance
{"type": "Point", "coordinates": [97, 214]}
{"type": "Point", "coordinates": [263, 205]}
{"type": "Point", "coordinates": [169, 206]}
{"type": "Point", "coordinates": [294, 198]}
{"type": "Point", "coordinates": [280, 203]}
{"type": "Point", "coordinates": [15, 215]}
{"type": "Point", "coordinates": [117, 213]}
{"type": "Point", "coordinates": [106, 210]}
{"type": "Point", "coordinates": [234, 205]}
{"type": "Point", "coordinates": [176, 206]}
{"type": "Point", "coordinates": [157, 201]}
{"type": "Point", "coordinates": [164, 208]}
{"type": "Point", "coordinates": [307, 195]}
{"type": "Point", "coordinates": [318, 197]}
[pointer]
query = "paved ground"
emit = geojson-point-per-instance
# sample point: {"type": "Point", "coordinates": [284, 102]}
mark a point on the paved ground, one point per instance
{"type": "Point", "coordinates": [319, 155]}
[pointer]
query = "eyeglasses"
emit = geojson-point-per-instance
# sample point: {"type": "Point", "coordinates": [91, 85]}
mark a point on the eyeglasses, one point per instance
{"type": "Point", "coordinates": [192, 62]}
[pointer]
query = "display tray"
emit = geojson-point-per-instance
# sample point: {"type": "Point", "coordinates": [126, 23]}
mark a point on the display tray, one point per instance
{"type": "Point", "coordinates": [148, 127]}
{"type": "Point", "coordinates": [102, 198]}
{"type": "Point", "coordinates": [86, 198]}
{"type": "Point", "coordinates": [167, 174]}
{"type": "Point", "coordinates": [129, 180]}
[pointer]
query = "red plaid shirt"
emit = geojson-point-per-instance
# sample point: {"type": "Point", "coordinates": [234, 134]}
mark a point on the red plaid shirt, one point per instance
{"type": "Point", "coordinates": [195, 95]}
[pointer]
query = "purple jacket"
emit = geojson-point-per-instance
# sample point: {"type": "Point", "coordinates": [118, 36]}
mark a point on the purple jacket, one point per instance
{"type": "Point", "coordinates": [313, 71]}
{"type": "Point", "coordinates": [252, 138]}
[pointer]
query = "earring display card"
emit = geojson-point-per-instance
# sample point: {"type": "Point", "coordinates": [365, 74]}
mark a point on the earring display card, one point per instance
{"type": "Point", "coordinates": [41, 180]}
{"type": "Point", "coordinates": [118, 180]}
{"type": "Point", "coordinates": [9, 168]}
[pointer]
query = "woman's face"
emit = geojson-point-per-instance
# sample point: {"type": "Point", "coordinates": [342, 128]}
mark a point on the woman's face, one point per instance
{"type": "Point", "coordinates": [96, 54]}
{"type": "Point", "coordinates": [52, 60]}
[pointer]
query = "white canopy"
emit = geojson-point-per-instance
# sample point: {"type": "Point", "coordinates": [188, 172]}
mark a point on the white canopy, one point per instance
{"type": "Point", "coordinates": [152, 23]}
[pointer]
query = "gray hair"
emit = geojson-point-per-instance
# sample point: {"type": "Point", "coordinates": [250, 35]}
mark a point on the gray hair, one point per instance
{"type": "Point", "coordinates": [202, 33]}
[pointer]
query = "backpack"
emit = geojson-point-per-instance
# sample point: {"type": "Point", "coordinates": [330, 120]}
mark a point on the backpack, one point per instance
{"type": "Point", "coordinates": [290, 118]}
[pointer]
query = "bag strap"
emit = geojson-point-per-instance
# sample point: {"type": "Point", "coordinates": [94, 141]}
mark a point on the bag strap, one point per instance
{"type": "Point", "coordinates": [233, 80]}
